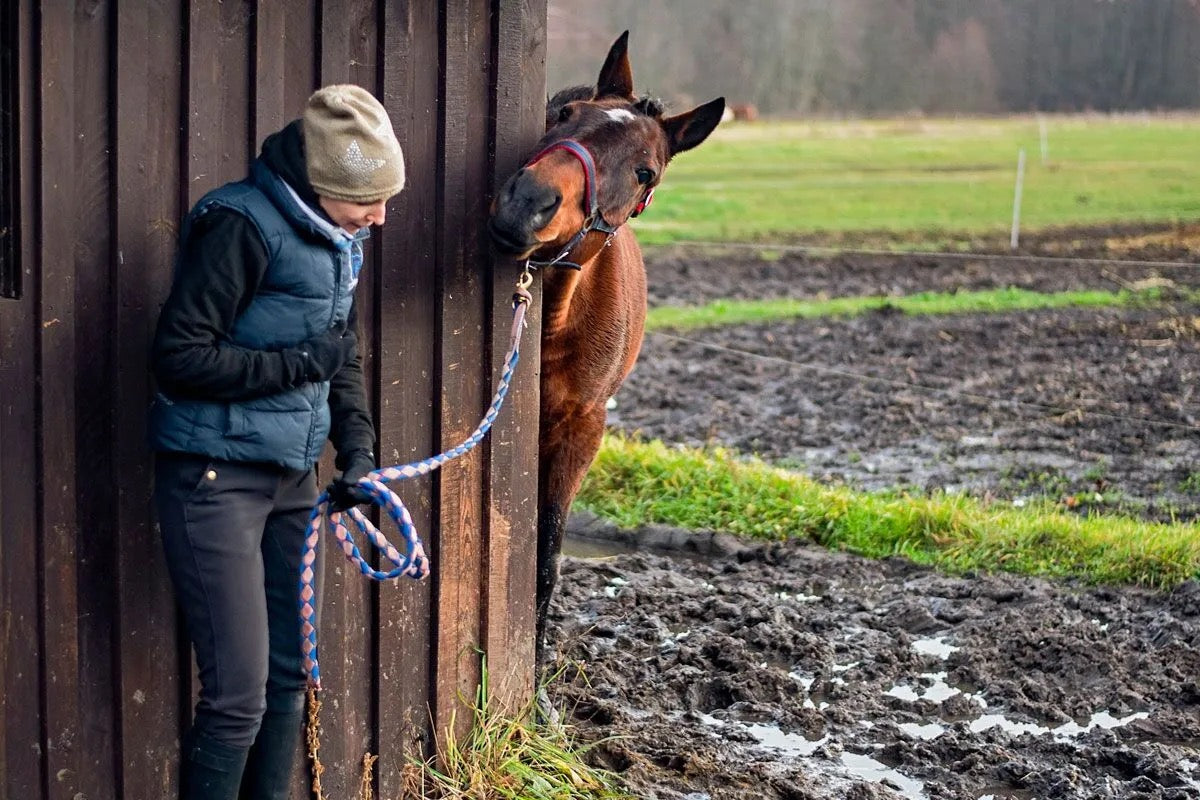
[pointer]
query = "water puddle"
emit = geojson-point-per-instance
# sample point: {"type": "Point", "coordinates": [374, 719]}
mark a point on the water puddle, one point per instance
{"type": "Point", "coordinates": [1068, 730]}
{"type": "Point", "coordinates": [799, 597]}
{"type": "Point", "coordinates": [937, 692]}
{"type": "Point", "coordinates": [935, 646]}
{"type": "Point", "coordinates": [1187, 766]}
{"type": "Point", "coordinates": [792, 744]}
{"type": "Point", "coordinates": [806, 681]}
{"type": "Point", "coordinates": [817, 700]}
{"type": "Point", "coordinates": [927, 732]}
{"type": "Point", "coordinates": [594, 549]}
{"type": "Point", "coordinates": [614, 586]}
{"type": "Point", "coordinates": [858, 765]}
{"type": "Point", "coordinates": [867, 768]}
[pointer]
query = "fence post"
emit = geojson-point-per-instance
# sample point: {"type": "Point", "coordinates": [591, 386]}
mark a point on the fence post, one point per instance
{"type": "Point", "coordinates": [1016, 218]}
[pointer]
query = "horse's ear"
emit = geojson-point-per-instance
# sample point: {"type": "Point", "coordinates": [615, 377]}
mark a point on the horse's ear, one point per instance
{"type": "Point", "coordinates": [616, 77]}
{"type": "Point", "coordinates": [685, 131]}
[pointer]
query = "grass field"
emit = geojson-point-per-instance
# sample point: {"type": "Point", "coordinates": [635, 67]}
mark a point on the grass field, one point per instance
{"type": "Point", "coordinates": [928, 181]}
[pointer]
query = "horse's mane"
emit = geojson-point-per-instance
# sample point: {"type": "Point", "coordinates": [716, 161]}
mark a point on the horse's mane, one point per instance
{"type": "Point", "coordinates": [564, 96]}
{"type": "Point", "coordinates": [650, 106]}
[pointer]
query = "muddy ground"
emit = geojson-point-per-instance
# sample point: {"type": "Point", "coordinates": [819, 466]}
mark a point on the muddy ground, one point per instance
{"type": "Point", "coordinates": [785, 671]}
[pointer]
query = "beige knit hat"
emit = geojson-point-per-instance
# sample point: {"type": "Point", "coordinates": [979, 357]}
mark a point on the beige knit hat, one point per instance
{"type": "Point", "coordinates": [349, 146]}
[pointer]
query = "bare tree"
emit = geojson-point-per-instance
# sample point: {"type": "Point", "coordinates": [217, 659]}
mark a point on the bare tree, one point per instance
{"type": "Point", "coordinates": [887, 56]}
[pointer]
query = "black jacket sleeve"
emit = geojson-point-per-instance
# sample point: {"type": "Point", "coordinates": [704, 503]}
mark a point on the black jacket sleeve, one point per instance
{"type": "Point", "coordinates": [352, 431]}
{"type": "Point", "coordinates": [218, 273]}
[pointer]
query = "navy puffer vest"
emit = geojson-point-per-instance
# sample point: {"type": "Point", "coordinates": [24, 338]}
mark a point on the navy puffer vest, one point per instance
{"type": "Point", "coordinates": [307, 289]}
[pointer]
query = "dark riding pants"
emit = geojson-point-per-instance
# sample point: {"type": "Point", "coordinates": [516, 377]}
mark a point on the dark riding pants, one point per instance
{"type": "Point", "coordinates": [233, 533]}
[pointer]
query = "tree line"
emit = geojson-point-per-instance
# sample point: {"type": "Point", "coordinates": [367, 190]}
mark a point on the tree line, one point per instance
{"type": "Point", "coordinates": [894, 56]}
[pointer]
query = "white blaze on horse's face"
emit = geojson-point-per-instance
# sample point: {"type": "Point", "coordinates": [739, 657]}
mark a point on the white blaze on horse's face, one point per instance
{"type": "Point", "coordinates": [620, 115]}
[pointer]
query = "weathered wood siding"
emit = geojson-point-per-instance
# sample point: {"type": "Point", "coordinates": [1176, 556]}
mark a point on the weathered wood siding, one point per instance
{"type": "Point", "coordinates": [128, 112]}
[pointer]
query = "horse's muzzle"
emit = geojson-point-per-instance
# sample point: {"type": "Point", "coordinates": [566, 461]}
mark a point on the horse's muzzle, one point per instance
{"type": "Point", "coordinates": [524, 206]}
{"type": "Point", "coordinates": [507, 243]}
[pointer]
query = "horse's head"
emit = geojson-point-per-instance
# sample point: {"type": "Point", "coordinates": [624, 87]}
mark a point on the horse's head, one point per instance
{"type": "Point", "coordinates": [603, 153]}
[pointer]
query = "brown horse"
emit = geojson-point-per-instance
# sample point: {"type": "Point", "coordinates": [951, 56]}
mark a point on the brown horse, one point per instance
{"type": "Point", "coordinates": [603, 153]}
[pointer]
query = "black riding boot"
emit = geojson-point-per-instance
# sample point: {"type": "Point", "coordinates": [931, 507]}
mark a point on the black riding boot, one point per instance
{"type": "Point", "coordinates": [212, 770]}
{"type": "Point", "coordinates": [273, 757]}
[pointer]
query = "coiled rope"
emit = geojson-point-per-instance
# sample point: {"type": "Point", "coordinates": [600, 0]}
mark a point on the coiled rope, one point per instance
{"type": "Point", "coordinates": [414, 563]}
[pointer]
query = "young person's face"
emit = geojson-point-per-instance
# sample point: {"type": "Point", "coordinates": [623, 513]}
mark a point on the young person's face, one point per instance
{"type": "Point", "coordinates": [353, 216]}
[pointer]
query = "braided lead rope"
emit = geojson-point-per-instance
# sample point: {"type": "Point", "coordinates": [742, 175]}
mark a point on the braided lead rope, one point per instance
{"type": "Point", "coordinates": [414, 563]}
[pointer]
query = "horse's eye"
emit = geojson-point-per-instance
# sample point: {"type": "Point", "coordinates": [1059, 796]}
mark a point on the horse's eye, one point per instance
{"type": "Point", "coordinates": [644, 175]}
{"type": "Point", "coordinates": [564, 114]}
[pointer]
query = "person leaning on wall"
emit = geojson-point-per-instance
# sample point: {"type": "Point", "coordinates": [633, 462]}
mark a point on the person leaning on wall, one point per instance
{"type": "Point", "coordinates": [257, 362]}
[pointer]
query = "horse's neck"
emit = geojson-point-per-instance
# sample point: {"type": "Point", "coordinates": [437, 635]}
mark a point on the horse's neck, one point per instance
{"type": "Point", "coordinates": [560, 287]}
{"type": "Point", "coordinates": [564, 288]}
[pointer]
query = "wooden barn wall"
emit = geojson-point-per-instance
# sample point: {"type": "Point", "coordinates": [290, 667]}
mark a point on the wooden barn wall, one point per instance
{"type": "Point", "coordinates": [129, 112]}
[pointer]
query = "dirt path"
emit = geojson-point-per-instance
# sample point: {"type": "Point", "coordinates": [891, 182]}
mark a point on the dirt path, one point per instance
{"type": "Point", "coordinates": [789, 672]}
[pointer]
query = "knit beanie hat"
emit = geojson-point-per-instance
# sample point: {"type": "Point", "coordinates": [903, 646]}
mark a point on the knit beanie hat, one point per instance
{"type": "Point", "coordinates": [349, 146]}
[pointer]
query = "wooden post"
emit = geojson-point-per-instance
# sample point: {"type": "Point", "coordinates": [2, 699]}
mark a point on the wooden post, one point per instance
{"type": "Point", "coordinates": [150, 683]}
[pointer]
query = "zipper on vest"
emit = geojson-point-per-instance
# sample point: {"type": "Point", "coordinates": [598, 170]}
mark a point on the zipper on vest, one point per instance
{"type": "Point", "coordinates": [337, 287]}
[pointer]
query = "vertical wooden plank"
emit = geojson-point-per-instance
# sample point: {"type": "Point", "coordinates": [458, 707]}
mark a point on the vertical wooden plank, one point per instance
{"type": "Point", "coordinates": [217, 125]}
{"type": "Point", "coordinates": [271, 61]}
{"type": "Point", "coordinates": [94, 483]}
{"type": "Point", "coordinates": [10, 31]}
{"type": "Point", "coordinates": [219, 129]}
{"type": "Point", "coordinates": [22, 757]}
{"type": "Point", "coordinates": [348, 37]}
{"type": "Point", "coordinates": [285, 58]}
{"type": "Point", "coordinates": [147, 192]}
{"type": "Point", "coordinates": [54, 284]}
{"type": "Point", "coordinates": [465, 175]}
{"type": "Point", "coordinates": [519, 100]}
{"type": "Point", "coordinates": [405, 344]}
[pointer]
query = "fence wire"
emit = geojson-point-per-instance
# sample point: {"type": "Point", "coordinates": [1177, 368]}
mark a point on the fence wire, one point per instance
{"type": "Point", "coordinates": [817, 250]}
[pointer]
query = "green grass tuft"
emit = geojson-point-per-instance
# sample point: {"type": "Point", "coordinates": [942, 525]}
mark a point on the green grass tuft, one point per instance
{"type": "Point", "coordinates": [737, 312]}
{"type": "Point", "coordinates": [634, 483]}
{"type": "Point", "coordinates": [511, 758]}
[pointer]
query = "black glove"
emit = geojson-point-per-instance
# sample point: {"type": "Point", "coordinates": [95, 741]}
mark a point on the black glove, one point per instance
{"type": "Point", "coordinates": [345, 493]}
{"type": "Point", "coordinates": [324, 355]}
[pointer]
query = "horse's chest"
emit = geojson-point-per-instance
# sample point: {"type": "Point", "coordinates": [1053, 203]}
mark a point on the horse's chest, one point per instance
{"type": "Point", "coordinates": [588, 361]}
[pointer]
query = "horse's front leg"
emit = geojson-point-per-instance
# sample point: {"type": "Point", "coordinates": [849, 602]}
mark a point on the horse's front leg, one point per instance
{"type": "Point", "coordinates": [567, 447]}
